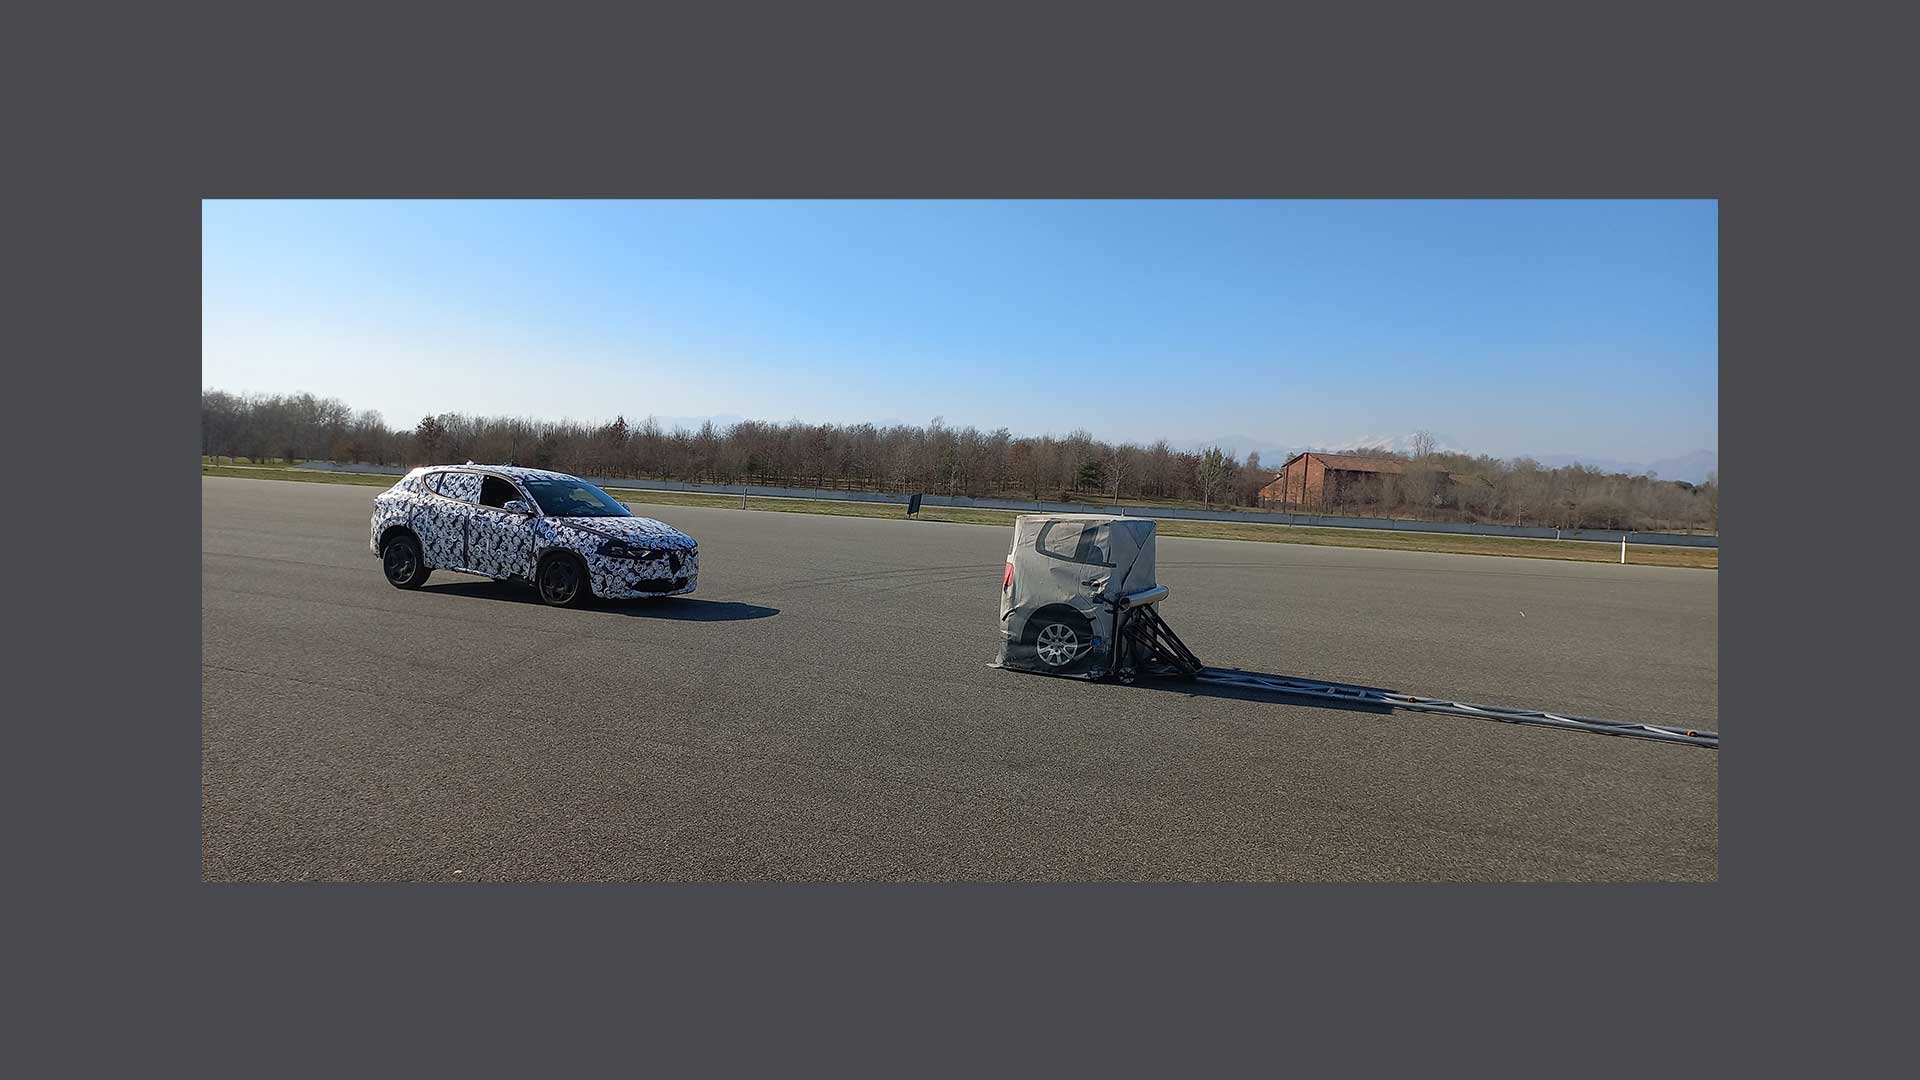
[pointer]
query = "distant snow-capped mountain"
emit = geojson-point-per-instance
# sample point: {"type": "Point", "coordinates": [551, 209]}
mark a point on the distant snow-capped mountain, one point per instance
{"type": "Point", "coordinates": [1693, 467]}
{"type": "Point", "coordinates": [1240, 446]}
{"type": "Point", "coordinates": [1401, 444]}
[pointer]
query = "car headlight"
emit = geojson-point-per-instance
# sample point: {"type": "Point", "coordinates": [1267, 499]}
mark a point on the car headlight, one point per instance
{"type": "Point", "coordinates": [620, 549]}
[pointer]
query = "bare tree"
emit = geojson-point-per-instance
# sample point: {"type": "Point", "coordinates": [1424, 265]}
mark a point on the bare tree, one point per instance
{"type": "Point", "coordinates": [430, 435]}
{"type": "Point", "coordinates": [1118, 464]}
{"type": "Point", "coordinates": [1420, 484]}
{"type": "Point", "coordinates": [1252, 479]}
{"type": "Point", "coordinates": [1216, 470]}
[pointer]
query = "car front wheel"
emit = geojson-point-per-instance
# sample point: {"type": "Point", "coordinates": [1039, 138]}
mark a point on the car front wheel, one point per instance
{"type": "Point", "coordinates": [563, 581]}
{"type": "Point", "coordinates": [401, 562]}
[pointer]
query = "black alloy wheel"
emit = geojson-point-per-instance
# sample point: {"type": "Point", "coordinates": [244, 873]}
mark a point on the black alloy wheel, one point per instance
{"type": "Point", "coordinates": [401, 562]}
{"type": "Point", "coordinates": [562, 581]}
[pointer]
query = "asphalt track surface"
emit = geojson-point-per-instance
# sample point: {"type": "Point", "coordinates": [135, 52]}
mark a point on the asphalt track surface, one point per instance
{"type": "Point", "coordinates": [822, 710]}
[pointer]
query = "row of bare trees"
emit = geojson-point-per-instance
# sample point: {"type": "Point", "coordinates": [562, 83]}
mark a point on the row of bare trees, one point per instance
{"type": "Point", "coordinates": [294, 427]}
{"type": "Point", "coordinates": [939, 459]}
{"type": "Point", "coordinates": [1521, 491]}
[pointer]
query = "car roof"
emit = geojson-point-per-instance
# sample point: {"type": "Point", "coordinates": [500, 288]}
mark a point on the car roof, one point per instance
{"type": "Point", "coordinates": [518, 472]}
{"type": "Point", "coordinates": [1104, 519]}
{"type": "Point", "coordinates": [1139, 527]}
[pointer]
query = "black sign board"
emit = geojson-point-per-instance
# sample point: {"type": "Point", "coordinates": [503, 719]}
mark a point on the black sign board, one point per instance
{"type": "Point", "coordinates": [913, 504]}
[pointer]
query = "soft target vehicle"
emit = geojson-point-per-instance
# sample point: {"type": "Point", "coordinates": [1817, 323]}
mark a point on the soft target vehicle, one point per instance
{"type": "Point", "coordinates": [567, 538]}
{"type": "Point", "coordinates": [1071, 582]}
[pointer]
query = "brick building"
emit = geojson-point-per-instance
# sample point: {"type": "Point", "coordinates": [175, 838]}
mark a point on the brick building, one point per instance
{"type": "Point", "coordinates": [1316, 481]}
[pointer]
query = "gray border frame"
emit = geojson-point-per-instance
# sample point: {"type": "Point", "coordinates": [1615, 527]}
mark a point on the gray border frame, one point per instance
{"type": "Point", "coordinates": [133, 957]}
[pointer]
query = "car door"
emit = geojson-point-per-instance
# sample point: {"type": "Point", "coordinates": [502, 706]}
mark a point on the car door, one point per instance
{"type": "Point", "coordinates": [1075, 555]}
{"type": "Point", "coordinates": [500, 541]}
{"type": "Point", "coordinates": [443, 528]}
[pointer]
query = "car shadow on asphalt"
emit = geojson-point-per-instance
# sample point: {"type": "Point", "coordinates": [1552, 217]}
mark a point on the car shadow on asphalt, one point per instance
{"type": "Point", "coordinates": [1248, 693]}
{"type": "Point", "coordinates": [672, 608]}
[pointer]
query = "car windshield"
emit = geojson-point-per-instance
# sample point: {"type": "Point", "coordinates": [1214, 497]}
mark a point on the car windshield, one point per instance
{"type": "Point", "coordinates": [572, 498]}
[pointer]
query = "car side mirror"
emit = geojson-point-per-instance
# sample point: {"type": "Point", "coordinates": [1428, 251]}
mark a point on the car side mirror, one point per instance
{"type": "Point", "coordinates": [517, 506]}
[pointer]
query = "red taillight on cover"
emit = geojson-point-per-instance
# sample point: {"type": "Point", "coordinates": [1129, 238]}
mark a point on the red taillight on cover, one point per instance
{"type": "Point", "coordinates": [1007, 582]}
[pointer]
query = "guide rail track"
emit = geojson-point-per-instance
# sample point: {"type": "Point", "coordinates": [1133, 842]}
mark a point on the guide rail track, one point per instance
{"type": "Point", "coordinates": [1146, 645]}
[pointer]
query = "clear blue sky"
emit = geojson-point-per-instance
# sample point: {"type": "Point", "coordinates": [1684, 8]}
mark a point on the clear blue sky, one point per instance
{"type": "Point", "coordinates": [1510, 327]}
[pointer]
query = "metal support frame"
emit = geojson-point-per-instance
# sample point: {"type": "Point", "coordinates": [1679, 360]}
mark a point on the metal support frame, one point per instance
{"type": "Point", "coordinates": [1144, 644]}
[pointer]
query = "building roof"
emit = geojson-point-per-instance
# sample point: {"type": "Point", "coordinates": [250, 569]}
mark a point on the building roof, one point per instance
{"type": "Point", "coordinates": [1353, 462]}
{"type": "Point", "coordinates": [1363, 463]}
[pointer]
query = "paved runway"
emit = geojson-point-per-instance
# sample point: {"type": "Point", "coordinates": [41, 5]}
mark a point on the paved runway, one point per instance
{"type": "Point", "coordinates": [821, 709]}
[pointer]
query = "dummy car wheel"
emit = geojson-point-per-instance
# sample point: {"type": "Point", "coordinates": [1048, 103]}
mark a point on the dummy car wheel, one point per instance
{"type": "Point", "coordinates": [1060, 641]}
{"type": "Point", "coordinates": [400, 560]}
{"type": "Point", "coordinates": [562, 581]}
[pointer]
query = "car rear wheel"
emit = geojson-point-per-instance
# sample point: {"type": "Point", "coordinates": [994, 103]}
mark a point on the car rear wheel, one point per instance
{"type": "Point", "coordinates": [400, 560]}
{"type": "Point", "coordinates": [1059, 643]}
{"type": "Point", "coordinates": [563, 581]}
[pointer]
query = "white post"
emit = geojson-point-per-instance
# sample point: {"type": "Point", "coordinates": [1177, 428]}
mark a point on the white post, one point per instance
{"type": "Point", "coordinates": [1623, 549]}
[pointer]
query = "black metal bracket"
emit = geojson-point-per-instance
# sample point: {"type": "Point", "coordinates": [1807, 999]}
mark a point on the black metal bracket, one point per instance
{"type": "Point", "coordinates": [1143, 644]}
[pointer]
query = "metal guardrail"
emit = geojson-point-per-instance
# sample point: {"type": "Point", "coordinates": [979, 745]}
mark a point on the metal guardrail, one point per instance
{"type": "Point", "coordinates": [1261, 517]}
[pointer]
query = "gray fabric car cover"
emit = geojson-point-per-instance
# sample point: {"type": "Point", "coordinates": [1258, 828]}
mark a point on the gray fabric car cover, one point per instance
{"type": "Point", "coordinates": [1064, 570]}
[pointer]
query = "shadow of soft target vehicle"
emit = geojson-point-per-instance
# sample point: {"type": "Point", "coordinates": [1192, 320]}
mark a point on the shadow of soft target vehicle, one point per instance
{"type": "Point", "coordinates": [565, 537]}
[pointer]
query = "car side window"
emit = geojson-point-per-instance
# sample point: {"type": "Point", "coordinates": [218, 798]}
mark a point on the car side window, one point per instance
{"type": "Point", "coordinates": [1060, 539]}
{"type": "Point", "coordinates": [1075, 541]}
{"type": "Point", "coordinates": [463, 486]}
{"type": "Point", "coordinates": [1094, 547]}
{"type": "Point", "coordinates": [496, 492]}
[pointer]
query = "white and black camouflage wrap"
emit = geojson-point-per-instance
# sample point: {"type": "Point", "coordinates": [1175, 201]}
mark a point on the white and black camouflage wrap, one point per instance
{"type": "Point", "coordinates": [440, 504]}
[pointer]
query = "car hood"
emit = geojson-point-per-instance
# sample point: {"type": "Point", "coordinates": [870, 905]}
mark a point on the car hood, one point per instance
{"type": "Point", "coordinates": [638, 531]}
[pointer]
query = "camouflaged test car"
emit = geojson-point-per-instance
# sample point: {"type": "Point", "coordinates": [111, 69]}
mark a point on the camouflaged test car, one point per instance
{"type": "Point", "coordinates": [566, 537]}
